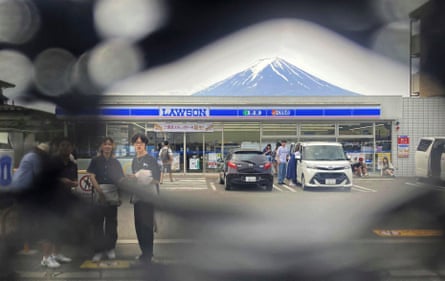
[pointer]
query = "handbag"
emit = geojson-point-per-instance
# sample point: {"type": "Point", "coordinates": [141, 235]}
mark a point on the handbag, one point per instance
{"type": "Point", "coordinates": [111, 194]}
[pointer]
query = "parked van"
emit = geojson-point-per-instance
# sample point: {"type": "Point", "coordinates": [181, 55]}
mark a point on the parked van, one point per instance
{"type": "Point", "coordinates": [430, 158]}
{"type": "Point", "coordinates": [323, 164]}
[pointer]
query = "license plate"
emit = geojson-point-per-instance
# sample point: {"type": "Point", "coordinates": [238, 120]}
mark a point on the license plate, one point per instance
{"type": "Point", "coordinates": [330, 181]}
{"type": "Point", "coordinates": [250, 179]}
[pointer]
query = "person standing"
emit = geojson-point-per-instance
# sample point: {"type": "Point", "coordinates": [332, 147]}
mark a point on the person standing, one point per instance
{"type": "Point", "coordinates": [66, 167]}
{"type": "Point", "coordinates": [144, 210]}
{"type": "Point", "coordinates": [267, 151]}
{"type": "Point", "coordinates": [105, 173]}
{"type": "Point", "coordinates": [44, 184]}
{"type": "Point", "coordinates": [166, 156]}
{"type": "Point", "coordinates": [273, 155]}
{"type": "Point", "coordinates": [281, 157]}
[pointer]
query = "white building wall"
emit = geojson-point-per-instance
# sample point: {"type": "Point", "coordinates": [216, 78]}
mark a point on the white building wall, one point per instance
{"type": "Point", "coordinates": [421, 117]}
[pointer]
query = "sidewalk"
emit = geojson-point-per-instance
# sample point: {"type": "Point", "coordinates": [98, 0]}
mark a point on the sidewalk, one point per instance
{"type": "Point", "coordinates": [125, 267]}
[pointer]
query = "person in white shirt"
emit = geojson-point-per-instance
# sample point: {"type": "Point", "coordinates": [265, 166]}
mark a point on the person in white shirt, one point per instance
{"type": "Point", "coordinates": [281, 157]}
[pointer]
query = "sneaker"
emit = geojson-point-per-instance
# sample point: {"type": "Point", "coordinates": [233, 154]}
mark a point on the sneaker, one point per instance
{"type": "Point", "coordinates": [111, 254]}
{"type": "Point", "coordinates": [62, 258]}
{"type": "Point", "coordinates": [97, 257]}
{"type": "Point", "coordinates": [50, 262]}
{"type": "Point", "coordinates": [142, 261]}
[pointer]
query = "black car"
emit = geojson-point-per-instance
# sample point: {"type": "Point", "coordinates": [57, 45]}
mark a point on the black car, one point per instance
{"type": "Point", "coordinates": [246, 167]}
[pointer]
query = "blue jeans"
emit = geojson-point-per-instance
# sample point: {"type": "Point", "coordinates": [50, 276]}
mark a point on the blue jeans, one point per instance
{"type": "Point", "coordinates": [281, 172]}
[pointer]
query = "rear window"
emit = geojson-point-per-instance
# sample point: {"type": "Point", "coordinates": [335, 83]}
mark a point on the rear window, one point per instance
{"type": "Point", "coordinates": [248, 155]}
{"type": "Point", "coordinates": [423, 145]}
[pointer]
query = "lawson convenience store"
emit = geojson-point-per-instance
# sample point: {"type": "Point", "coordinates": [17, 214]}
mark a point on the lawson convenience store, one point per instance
{"type": "Point", "coordinates": [201, 129]}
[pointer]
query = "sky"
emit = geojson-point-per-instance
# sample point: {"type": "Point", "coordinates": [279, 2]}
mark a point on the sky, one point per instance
{"type": "Point", "coordinates": [310, 47]}
{"type": "Point", "coordinates": [108, 53]}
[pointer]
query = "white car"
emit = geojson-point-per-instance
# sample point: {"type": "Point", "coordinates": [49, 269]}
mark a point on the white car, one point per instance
{"type": "Point", "coordinates": [323, 164]}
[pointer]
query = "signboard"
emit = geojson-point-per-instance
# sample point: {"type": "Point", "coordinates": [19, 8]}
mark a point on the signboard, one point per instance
{"type": "Point", "coordinates": [208, 113]}
{"type": "Point", "coordinates": [183, 127]}
{"type": "Point", "coordinates": [212, 162]}
{"type": "Point", "coordinates": [194, 164]}
{"type": "Point", "coordinates": [6, 163]}
{"type": "Point", "coordinates": [85, 187]}
{"type": "Point", "coordinates": [403, 146]}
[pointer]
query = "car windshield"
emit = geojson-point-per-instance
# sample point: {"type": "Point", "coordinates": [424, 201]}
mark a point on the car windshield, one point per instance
{"type": "Point", "coordinates": [323, 152]}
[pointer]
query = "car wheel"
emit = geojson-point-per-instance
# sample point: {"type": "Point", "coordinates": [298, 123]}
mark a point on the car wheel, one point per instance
{"type": "Point", "coordinates": [221, 179]}
{"type": "Point", "coordinates": [227, 184]}
{"type": "Point", "coordinates": [269, 187]}
{"type": "Point", "coordinates": [348, 189]}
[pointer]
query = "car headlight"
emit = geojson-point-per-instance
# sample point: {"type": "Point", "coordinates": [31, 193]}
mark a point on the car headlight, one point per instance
{"type": "Point", "coordinates": [311, 167]}
{"type": "Point", "coordinates": [348, 167]}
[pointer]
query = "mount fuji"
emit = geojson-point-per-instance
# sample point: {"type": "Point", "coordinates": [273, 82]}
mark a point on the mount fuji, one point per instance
{"type": "Point", "coordinates": [273, 77]}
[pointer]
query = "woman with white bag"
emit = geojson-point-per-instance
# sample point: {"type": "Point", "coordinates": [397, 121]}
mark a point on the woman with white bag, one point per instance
{"type": "Point", "coordinates": [105, 172]}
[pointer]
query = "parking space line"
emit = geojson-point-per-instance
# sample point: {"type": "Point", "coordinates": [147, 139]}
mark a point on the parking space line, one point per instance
{"type": "Point", "coordinates": [212, 185]}
{"type": "Point", "coordinates": [289, 188]}
{"type": "Point", "coordinates": [276, 187]}
{"type": "Point", "coordinates": [184, 188]}
{"type": "Point", "coordinates": [362, 188]}
{"type": "Point", "coordinates": [423, 185]}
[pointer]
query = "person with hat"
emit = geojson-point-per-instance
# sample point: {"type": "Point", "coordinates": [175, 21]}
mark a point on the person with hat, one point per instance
{"type": "Point", "coordinates": [359, 168]}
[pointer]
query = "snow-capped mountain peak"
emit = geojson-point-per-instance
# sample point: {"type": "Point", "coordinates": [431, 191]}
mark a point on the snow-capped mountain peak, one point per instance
{"type": "Point", "coordinates": [273, 77]}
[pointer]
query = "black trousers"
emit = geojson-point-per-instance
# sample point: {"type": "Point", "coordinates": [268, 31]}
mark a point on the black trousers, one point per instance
{"type": "Point", "coordinates": [105, 228]}
{"type": "Point", "coordinates": [143, 222]}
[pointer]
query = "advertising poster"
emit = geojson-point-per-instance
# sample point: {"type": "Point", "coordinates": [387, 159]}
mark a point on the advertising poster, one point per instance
{"type": "Point", "coordinates": [194, 164]}
{"type": "Point", "coordinates": [380, 158]}
{"type": "Point", "coordinates": [403, 146]}
{"type": "Point", "coordinates": [212, 162]}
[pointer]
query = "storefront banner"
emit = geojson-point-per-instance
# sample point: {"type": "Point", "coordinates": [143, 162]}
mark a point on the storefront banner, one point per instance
{"type": "Point", "coordinates": [183, 127]}
{"type": "Point", "coordinates": [184, 112]}
{"type": "Point", "coordinates": [181, 113]}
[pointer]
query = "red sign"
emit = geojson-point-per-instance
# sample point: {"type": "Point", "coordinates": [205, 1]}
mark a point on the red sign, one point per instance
{"type": "Point", "coordinates": [402, 140]}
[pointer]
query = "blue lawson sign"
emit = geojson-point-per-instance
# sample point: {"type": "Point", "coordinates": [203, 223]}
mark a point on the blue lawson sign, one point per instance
{"type": "Point", "coordinates": [209, 113]}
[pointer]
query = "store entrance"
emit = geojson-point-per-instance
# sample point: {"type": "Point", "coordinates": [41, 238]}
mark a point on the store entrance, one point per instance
{"type": "Point", "coordinates": [194, 152]}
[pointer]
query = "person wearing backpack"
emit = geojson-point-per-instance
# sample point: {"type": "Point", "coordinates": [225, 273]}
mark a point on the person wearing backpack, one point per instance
{"type": "Point", "coordinates": [166, 156]}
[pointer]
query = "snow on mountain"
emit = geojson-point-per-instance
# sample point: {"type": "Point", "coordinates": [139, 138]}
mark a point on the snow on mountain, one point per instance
{"type": "Point", "coordinates": [273, 77]}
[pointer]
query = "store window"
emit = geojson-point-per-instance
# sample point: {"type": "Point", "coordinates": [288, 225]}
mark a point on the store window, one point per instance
{"type": "Point", "coordinates": [355, 129]}
{"type": "Point", "coordinates": [383, 142]}
{"type": "Point", "coordinates": [317, 129]}
{"type": "Point", "coordinates": [239, 133]}
{"type": "Point", "coordinates": [357, 139]}
{"type": "Point", "coordinates": [279, 129]}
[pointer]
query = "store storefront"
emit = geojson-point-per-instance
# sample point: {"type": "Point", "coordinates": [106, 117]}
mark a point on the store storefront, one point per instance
{"type": "Point", "coordinates": [201, 134]}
